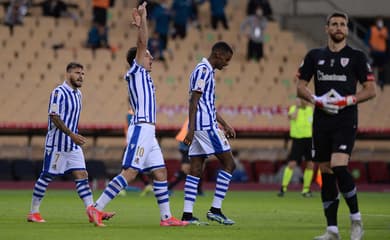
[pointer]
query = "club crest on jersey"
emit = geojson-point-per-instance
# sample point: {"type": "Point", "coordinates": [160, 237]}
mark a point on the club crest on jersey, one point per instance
{"type": "Point", "coordinates": [344, 61]}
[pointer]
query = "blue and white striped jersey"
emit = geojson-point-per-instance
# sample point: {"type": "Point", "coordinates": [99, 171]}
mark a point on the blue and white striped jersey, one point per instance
{"type": "Point", "coordinates": [202, 80]}
{"type": "Point", "coordinates": [141, 94]}
{"type": "Point", "coordinates": [66, 103]}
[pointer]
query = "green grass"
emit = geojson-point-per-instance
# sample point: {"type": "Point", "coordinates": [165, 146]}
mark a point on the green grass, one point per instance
{"type": "Point", "coordinates": [258, 215]}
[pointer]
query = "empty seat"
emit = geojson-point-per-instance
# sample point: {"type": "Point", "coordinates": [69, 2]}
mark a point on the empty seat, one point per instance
{"type": "Point", "coordinates": [211, 170]}
{"type": "Point", "coordinates": [23, 170]}
{"type": "Point", "coordinates": [96, 169]}
{"type": "Point", "coordinates": [172, 165]}
{"type": "Point", "coordinates": [5, 170]}
{"type": "Point", "coordinates": [248, 169]}
{"type": "Point", "coordinates": [264, 171]}
{"type": "Point", "coordinates": [378, 172]}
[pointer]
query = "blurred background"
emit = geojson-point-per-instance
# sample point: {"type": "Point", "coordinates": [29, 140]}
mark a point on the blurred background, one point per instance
{"type": "Point", "coordinates": [39, 38]}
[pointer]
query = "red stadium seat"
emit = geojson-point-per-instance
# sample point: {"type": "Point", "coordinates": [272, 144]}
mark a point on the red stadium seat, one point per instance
{"type": "Point", "coordinates": [358, 170]}
{"type": "Point", "coordinates": [249, 169]}
{"type": "Point", "coordinates": [172, 165]}
{"type": "Point", "coordinates": [264, 170]}
{"type": "Point", "coordinates": [378, 172]}
{"type": "Point", "coordinates": [212, 168]}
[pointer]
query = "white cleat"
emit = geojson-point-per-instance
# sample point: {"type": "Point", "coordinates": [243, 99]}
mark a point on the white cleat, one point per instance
{"type": "Point", "coordinates": [328, 236]}
{"type": "Point", "coordinates": [357, 231]}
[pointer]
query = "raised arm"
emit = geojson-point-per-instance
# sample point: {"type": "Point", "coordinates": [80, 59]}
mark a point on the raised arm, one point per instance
{"type": "Point", "coordinates": [139, 20]}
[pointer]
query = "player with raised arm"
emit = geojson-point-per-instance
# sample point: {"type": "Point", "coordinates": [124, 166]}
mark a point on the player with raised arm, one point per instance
{"type": "Point", "coordinates": [143, 153]}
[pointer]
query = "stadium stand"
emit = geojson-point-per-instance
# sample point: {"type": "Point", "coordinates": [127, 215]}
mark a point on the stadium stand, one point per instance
{"type": "Point", "coordinates": [252, 96]}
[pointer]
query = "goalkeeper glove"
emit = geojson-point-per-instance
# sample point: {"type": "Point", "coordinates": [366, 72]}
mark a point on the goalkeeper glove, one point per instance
{"type": "Point", "coordinates": [344, 101]}
{"type": "Point", "coordinates": [322, 102]}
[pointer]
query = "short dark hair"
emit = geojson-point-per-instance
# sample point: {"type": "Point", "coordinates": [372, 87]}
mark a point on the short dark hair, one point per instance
{"type": "Point", "coordinates": [131, 55]}
{"type": "Point", "coordinates": [73, 65]}
{"type": "Point", "coordinates": [336, 14]}
{"type": "Point", "coordinates": [222, 46]}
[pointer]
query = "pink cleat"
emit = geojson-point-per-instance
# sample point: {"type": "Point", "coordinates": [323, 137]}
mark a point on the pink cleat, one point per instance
{"type": "Point", "coordinates": [35, 217]}
{"type": "Point", "coordinates": [173, 222]}
{"type": "Point", "coordinates": [96, 216]}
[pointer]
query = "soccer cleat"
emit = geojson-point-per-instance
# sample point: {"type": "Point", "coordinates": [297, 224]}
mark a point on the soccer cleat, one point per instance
{"type": "Point", "coordinates": [173, 222]}
{"type": "Point", "coordinates": [219, 217]}
{"type": "Point", "coordinates": [281, 194]}
{"type": "Point", "coordinates": [35, 217]}
{"type": "Point", "coordinates": [96, 216]}
{"type": "Point", "coordinates": [308, 194]}
{"type": "Point", "coordinates": [328, 236]}
{"type": "Point", "coordinates": [357, 231]}
{"type": "Point", "coordinates": [195, 221]}
{"type": "Point", "coordinates": [105, 216]}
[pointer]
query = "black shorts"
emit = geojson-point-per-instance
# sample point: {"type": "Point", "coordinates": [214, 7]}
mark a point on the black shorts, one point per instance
{"type": "Point", "coordinates": [301, 150]}
{"type": "Point", "coordinates": [339, 138]}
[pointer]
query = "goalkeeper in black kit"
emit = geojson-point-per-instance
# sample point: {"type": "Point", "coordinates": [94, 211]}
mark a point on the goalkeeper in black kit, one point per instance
{"type": "Point", "coordinates": [336, 69]}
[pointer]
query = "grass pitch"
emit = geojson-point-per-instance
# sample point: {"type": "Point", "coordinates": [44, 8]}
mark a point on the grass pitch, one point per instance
{"type": "Point", "coordinates": [258, 215]}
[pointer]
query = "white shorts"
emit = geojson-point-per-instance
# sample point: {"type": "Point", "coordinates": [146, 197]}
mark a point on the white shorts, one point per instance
{"type": "Point", "coordinates": [143, 152]}
{"type": "Point", "coordinates": [209, 142]}
{"type": "Point", "coordinates": [59, 163]}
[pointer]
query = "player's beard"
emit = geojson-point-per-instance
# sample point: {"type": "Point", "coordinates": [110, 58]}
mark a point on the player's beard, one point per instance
{"type": "Point", "coordinates": [75, 83]}
{"type": "Point", "coordinates": [337, 38]}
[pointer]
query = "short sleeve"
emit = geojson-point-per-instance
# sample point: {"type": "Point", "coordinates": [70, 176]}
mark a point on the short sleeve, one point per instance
{"type": "Point", "coordinates": [199, 78]}
{"type": "Point", "coordinates": [363, 68]}
{"type": "Point", "coordinates": [306, 69]}
{"type": "Point", "coordinates": [55, 104]}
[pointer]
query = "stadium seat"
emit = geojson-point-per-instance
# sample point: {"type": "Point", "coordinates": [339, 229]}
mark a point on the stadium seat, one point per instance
{"type": "Point", "coordinates": [249, 169]}
{"type": "Point", "coordinates": [212, 168]}
{"type": "Point", "coordinates": [264, 170]}
{"type": "Point", "coordinates": [96, 169]}
{"type": "Point", "coordinates": [172, 165]}
{"type": "Point", "coordinates": [378, 172]}
{"type": "Point", "coordinates": [23, 170]}
{"type": "Point", "coordinates": [5, 170]}
{"type": "Point", "coordinates": [358, 170]}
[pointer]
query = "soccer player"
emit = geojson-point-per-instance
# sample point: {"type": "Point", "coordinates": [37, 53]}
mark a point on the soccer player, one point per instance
{"type": "Point", "coordinates": [143, 153]}
{"type": "Point", "coordinates": [337, 68]}
{"type": "Point", "coordinates": [63, 153]}
{"type": "Point", "coordinates": [205, 137]}
{"type": "Point", "coordinates": [301, 119]}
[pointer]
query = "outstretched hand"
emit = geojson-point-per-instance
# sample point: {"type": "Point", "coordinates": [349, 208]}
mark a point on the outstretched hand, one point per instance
{"type": "Point", "coordinates": [138, 13]}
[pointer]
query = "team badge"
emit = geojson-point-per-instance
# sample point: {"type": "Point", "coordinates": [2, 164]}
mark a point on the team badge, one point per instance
{"type": "Point", "coordinates": [200, 84]}
{"type": "Point", "coordinates": [54, 108]}
{"type": "Point", "coordinates": [344, 61]}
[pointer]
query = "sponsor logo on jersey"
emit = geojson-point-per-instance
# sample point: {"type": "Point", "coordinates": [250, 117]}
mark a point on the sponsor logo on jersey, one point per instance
{"type": "Point", "coordinates": [343, 147]}
{"type": "Point", "coordinates": [344, 61]}
{"type": "Point", "coordinates": [330, 77]}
